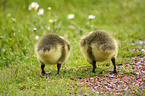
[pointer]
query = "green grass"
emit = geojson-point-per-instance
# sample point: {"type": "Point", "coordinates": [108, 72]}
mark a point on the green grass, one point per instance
{"type": "Point", "coordinates": [19, 68]}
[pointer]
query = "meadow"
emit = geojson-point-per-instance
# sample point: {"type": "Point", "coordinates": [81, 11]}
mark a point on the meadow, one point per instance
{"type": "Point", "coordinates": [21, 28]}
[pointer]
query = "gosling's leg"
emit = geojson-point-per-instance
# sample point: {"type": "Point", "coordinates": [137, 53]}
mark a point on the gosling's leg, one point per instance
{"type": "Point", "coordinates": [94, 66]}
{"type": "Point", "coordinates": [114, 64]}
{"type": "Point", "coordinates": [58, 68]}
{"type": "Point", "coordinates": [42, 68]}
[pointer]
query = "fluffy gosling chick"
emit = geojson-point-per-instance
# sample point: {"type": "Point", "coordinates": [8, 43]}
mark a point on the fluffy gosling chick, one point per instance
{"type": "Point", "coordinates": [52, 49]}
{"type": "Point", "coordinates": [98, 46]}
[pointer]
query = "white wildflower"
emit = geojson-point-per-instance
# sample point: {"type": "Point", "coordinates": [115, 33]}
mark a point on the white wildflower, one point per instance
{"type": "Point", "coordinates": [12, 53]}
{"type": "Point", "coordinates": [92, 26]}
{"type": "Point", "coordinates": [14, 20]}
{"type": "Point", "coordinates": [91, 17]}
{"type": "Point", "coordinates": [49, 8]}
{"type": "Point", "coordinates": [3, 50]}
{"type": "Point", "coordinates": [35, 29]}
{"type": "Point", "coordinates": [48, 28]}
{"type": "Point", "coordinates": [41, 11]}
{"type": "Point", "coordinates": [33, 5]}
{"type": "Point", "coordinates": [36, 37]}
{"type": "Point", "coordinates": [71, 16]}
{"type": "Point", "coordinates": [9, 15]}
{"type": "Point", "coordinates": [50, 21]}
{"type": "Point", "coordinates": [55, 20]}
{"type": "Point", "coordinates": [72, 27]}
{"type": "Point", "coordinates": [14, 34]}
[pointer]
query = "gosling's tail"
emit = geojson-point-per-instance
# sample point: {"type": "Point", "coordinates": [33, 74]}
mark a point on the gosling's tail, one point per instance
{"type": "Point", "coordinates": [44, 48]}
{"type": "Point", "coordinates": [108, 47]}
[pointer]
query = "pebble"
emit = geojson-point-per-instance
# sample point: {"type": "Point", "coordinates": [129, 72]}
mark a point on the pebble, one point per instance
{"type": "Point", "coordinates": [117, 84]}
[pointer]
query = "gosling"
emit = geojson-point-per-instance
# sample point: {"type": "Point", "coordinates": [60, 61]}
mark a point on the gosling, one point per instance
{"type": "Point", "coordinates": [52, 49]}
{"type": "Point", "coordinates": [98, 46]}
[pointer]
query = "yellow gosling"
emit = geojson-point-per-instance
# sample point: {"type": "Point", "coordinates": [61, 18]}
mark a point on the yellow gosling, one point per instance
{"type": "Point", "coordinates": [98, 46]}
{"type": "Point", "coordinates": [52, 49]}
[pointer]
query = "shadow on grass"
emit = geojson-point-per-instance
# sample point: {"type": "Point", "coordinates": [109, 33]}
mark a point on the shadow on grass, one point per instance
{"type": "Point", "coordinates": [85, 71]}
{"type": "Point", "coordinates": [78, 72]}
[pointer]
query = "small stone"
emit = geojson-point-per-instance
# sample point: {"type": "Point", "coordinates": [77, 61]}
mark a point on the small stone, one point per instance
{"type": "Point", "coordinates": [138, 63]}
{"type": "Point", "coordinates": [137, 73]}
{"type": "Point", "coordinates": [117, 93]}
